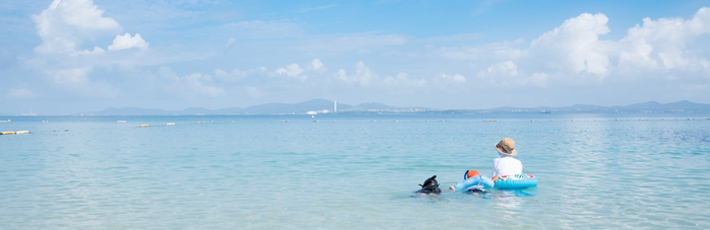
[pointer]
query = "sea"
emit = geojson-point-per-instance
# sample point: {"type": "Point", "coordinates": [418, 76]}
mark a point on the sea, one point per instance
{"type": "Point", "coordinates": [352, 171]}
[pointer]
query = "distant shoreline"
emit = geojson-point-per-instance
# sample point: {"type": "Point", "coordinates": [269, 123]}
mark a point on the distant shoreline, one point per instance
{"type": "Point", "coordinates": [322, 106]}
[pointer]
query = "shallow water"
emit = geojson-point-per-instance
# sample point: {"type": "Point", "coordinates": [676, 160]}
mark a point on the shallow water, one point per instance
{"type": "Point", "coordinates": [351, 172]}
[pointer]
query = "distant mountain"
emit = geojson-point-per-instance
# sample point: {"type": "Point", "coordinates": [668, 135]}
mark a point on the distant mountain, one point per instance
{"type": "Point", "coordinates": [647, 107]}
{"type": "Point", "coordinates": [195, 110]}
{"type": "Point", "coordinates": [327, 106]}
{"type": "Point", "coordinates": [131, 111]}
{"type": "Point", "coordinates": [303, 107]}
{"type": "Point", "coordinates": [681, 106]}
{"type": "Point", "coordinates": [316, 105]}
{"type": "Point", "coordinates": [373, 106]}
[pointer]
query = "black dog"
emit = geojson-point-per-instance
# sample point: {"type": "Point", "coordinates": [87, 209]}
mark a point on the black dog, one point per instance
{"type": "Point", "coordinates": [430, 186]}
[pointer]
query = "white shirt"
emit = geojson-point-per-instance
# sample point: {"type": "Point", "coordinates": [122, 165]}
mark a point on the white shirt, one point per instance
{"type": "Point", "coordinates": [506, 165]}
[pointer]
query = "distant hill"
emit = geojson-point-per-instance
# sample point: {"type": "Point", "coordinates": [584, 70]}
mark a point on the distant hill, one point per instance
{"type": "Point", "coordinates": [681, 106]}
{"type": "Point", "coordinates": [315, 105]}
{"type": "Point", "coordinates": [131, 111]}
{"type": "Point", "coordinates": [327, 106]}
{"type": "Point", "coordinates": [647, 107]}
{"type": "Point", "coordinates": [303, 107]}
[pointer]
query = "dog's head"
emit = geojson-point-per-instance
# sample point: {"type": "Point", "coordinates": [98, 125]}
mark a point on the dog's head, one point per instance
{"type": "Point", "coordinates": [430, 185]}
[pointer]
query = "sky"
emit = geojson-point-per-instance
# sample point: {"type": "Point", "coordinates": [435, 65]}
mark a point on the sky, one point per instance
{"type": "Point", "coordinates": [81, 56]}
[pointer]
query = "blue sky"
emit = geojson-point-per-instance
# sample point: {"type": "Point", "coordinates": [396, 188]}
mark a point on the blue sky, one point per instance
{"type": "Point", "coordinates": [73, 56]}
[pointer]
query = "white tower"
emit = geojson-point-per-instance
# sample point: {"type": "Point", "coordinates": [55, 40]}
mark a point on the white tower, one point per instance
{"type": "Point", "coordinates": [335, 106]}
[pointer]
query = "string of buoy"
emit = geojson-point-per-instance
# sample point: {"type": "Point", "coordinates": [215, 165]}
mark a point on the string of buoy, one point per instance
{"type": "Point", "coordinates": [396, 121]}
{"type": "Point", "coordinates": [15, 132]}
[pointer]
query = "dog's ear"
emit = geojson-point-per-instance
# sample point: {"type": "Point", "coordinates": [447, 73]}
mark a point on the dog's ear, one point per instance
{"type": "Point", "coordinates": [431, 179]}
{"type": "Point", "coordinates": [429, 182]}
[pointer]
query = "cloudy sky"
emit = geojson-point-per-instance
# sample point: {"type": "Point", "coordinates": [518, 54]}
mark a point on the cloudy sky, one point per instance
{"type": "Point", "coordinates": [73, 56]}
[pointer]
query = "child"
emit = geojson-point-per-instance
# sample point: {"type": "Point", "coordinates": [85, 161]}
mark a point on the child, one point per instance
{"type": "Point", "coordinates": [472, 181]}
{"type": "Point", "coordinates": [506, 164]}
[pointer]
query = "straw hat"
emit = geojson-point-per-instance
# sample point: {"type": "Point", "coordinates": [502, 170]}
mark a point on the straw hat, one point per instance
{"type": "Point", "coordinates": [506, 147]}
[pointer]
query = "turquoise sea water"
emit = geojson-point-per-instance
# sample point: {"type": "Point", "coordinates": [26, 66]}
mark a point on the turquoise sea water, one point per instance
{"type": "Point", "coordinates": [352, 172]}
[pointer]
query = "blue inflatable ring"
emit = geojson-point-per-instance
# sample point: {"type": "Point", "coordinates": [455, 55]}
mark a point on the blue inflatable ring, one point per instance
{"type": "Point", "coordinates": [517, 181]}
{"type": "Point", "coordinates": [473, 181]}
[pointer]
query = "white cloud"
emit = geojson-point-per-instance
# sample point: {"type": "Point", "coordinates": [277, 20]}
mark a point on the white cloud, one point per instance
{"type": "Point", "coordinates": [317, 65]}
{"type": "Point", "coordinates": [363, 76]}
{"type": "Point", "coordinates": [292, 70]}
{"type": "Point", "coordinates": [500, 50]}
{"type": "Point", "coordinates": [191, 85]}
{"type": "Point", "coordinates": [505, 69]}
{"type": "Point", "coordinates": [575, 46]}
{"type": "Point", "coordinates": [402, 79]}
{"type": "Point", "coordinates": [76, 79]}
{"type": "Point", "coordinates": [232, 76]}
{"type": "Point", "coordinates": [196, 84]}
{"type": "Point", "coordinates": [538, 79]}
{"type": "Point", "coordinates": [20, 93]}
{"type": "Point", "coordinates": [456, 78]}
{"type": "Point", "coordinates": [122, 42]}
{"type": "Point", "coordinates": [230, 42]}
{"type": "Point", "coordinates": [573, 53]}
{"type": "Point", "coordinates": [637, 54]}
{"type": "Point", "coordinates": [254, 92]}
{"type": "Point", "coordinates": [73, 77]}
{"type": "Point", "coordinates": [73, 33]}
{"type": "Point", "coordinates": [663, 43]}
{"type": "Point", "coordinates": [97, 50]}
{"type": "Point", "coordinates": [65, 24]}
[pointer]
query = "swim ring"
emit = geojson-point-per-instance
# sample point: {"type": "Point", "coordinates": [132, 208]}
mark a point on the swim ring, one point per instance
{"type": "Point", "coordinates": [516, 181]}
{"type": "Point", "coordinates": [473, 181]}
